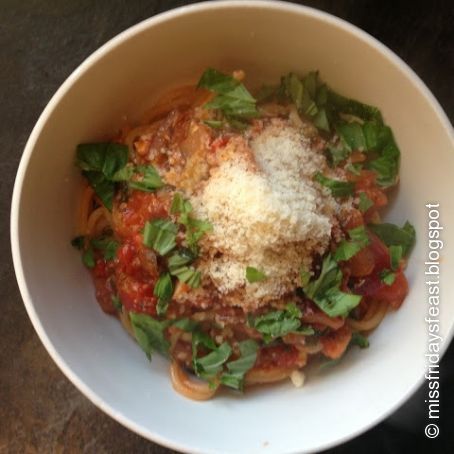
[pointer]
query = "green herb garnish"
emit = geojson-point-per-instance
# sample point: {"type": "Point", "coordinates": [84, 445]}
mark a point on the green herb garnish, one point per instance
{"type": "Point", "coordinates": [160, 235]}
{"type": "Point", "coordinates": [359, 340]}
{"type": "Point", "coordinates": [364, 202]}
{"type": "Point", "coordinates": [237, 369]}
{"type": "Point", "coordinates": [163, 290]}
{"type": "Point", "coordinates": [337, 188]}
{"type": "Point", "coordinates": [150, 333]}
{"type": "Point", "coordinates": [254, 275]}
{"type": "Point", "coordinates": [232, 97]}
{"type": "Point", "coordinates": [388, 277]}
{"type": "Point", "coordinates": [325, 291]}
{"type": "Point", "coordinates": [392, 235]}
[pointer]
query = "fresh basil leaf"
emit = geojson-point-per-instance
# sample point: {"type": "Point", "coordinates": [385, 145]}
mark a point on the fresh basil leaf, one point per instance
{"type": "Point", "coordinates": [337, 154]}
{"type": "Point", "coordinates": [160, 235]}
{"type": "Point", "coordinates": [150, 333]}
{"type": "Point", "coordinates": [388, 277]}
{"type": "Point", "coordinates": [232, 99]}
{"type": "Point", "coordinates": [180, 258]}
{"type": "Point", "coordinates": [279, 323]}
{"type": "Point", "coordinates": [364, 202]}
{"type": "Point", "coordinates": [116, 302]}
{"type": "Point", "coordinates": [392, 235]}
{"type": "Point", "coordinates": [149, 179]}
{"type": "Point", "coordinates": [359, 234]}
{"type": "Point", "coordinates": [305, 277]}
{"type": "Point", "coordinates": [107, 158]}
{"type": "Point", "coordinates": [88, 258]}
{"type": "Point", "coordinates": [395, 253]}
{"type": "Point", "coordinates": [78, 242]}
{"type": "Point", "coordinates": [188, 275]}
{"type": "Point", "coordinates": [108, 246]}
{"type": "Point", "coordinates": [336, 303]}
{"type": "Point", "coordinates": [355, 169]}
{"type": "Point", "coordinates": [103, 188]}
{"type": "Point", "coordinates": [215, 124]}
{"type": "Point", "coordinates": [180, 205]}
{"type": "Point", "coordinates": [346, 250]}
{"type": "Point", "coordinates": [163, 290]}
{"type": "Point", "coordinates": [345, 105]}
{"type": "Point", "coordinates": [186, 324]}
{"type": "Point", "coordinates": [386, 165]}
{"type": "Point", "coordinates": [254, 275]}
{"type": "Point", "coordinates": [359, 340]}
{"type": "Point", "coordinates": [338, 188]}
{"type": "Point", "coordinates": [321, 121]}
{"type": "Point", "coordinates": [351, 135]}
{"type": "Point", "coordinates": [211, 364]}
{"type": "Point", "coordinates": [325, 291]}
{"type": "Point", "coordinates": [238, 368]}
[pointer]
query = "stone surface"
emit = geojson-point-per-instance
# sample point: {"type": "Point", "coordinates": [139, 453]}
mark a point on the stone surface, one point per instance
{"type": "Point", "coordinates": [41, 43]}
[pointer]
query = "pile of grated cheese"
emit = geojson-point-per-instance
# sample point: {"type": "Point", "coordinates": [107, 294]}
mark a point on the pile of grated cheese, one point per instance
{"type": "Point", "coordinates": [266, 212]}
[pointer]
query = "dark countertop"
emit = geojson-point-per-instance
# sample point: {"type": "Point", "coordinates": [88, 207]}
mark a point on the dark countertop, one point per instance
{"type": "Point", "coordinates": [42, 42]}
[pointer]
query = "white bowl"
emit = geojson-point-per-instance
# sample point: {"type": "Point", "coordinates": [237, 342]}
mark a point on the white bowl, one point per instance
{"type": "Point", "coordinates": [266, 39]}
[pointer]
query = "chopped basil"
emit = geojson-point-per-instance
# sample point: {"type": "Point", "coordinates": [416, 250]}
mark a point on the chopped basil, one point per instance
{"type": "Point", "coordinates": [325, 291]}
{"type": "Point", "coordinates": [338, 188]}
{"type": "Point", "coordinates": [78, 242]}
{"type": "Point", "coordinates": [347, 249]}
{"type": "Point", "coordinates": [88, 258]}
{"type": "Point", "coordinates": [337, 154]}
{"type": "Point", "coordinates": [99, 163]}
{"type": "Point", "coordinates": [186, 324]}
{"type": "Point", "coordinates": [178, 266]}
{"type": "Point", "coordinates": [108, 246]}
{"type": "Point", "coordinates": [352, 136]}
{"type": "Point", "coordinates": [180, 258]}
{"type": "Point", "coordinates": [386, 165]}
{"type": "Point", "coordinates": [388, 277]}
{"type": "Point", "coordinates": [103, 188]}
{"type": "Point", "coordinates": [215, 124]}
{"type": "Point", "coordinates": [195, 228]}
{"type": "Point", "coordinates": [211, 364]}
{"type": "Point", "coordinates": [232, 97]}
{"type": "Point", "coordinates": [116, 302]}
{"type": "Point", "coordinates": [160, 235]}
{"type": "Point", "coordinates": [149, 179]}
{"type": "Point", "coordinates": [163, 290]}
{"type": "Point", "coordinates": [395, 253]}
{"type": "Point", "coordinates": [107, 158]}
{"type": "Point", "coordinates": [359, 340]}
{"type": "Point", "coordinates": [150, 333]}
{"type": "Point", "coordinates": [180, 205]}
{"type": "Point", "coordinates": [341, 104]}
{"type": "Point", "coordinates": [279, 323]}
{"type": "Point", "coordinates": [364, 202]}
{"type": "Point", "coordinates": [355, 169]}
{"type": "Point", "coordinates": [392, 235]}
{"type": "Point", "coordinates": [188, 275]}
{"type": "Point", "coordinates": [237, 369]}
{"type": "Point", "coordinates": [359, 234]}
{"type": "Point", "coordinates": [305, 277]}
{"type": "Point", "coordinates": [254, 275]}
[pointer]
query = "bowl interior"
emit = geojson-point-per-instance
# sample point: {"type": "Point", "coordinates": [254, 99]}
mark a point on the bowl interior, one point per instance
{"type": "Point", "coordinates": [266, 40]}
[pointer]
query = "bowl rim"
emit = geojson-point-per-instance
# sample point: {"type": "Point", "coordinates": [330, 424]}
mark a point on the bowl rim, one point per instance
{"type": "Point", "coordinates": [91, 60]}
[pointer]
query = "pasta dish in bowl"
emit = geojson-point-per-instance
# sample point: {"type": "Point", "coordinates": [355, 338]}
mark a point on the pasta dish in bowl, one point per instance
{"type": "Point", "coordinates": [241, 235]}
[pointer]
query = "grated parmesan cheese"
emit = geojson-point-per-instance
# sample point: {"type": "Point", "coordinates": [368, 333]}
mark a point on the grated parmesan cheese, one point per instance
{"type": "Point", "coordinates": [267, 213]}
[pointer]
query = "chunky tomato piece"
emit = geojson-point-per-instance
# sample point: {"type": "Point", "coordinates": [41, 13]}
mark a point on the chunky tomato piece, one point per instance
{"type": "Point", "coordinates": [278, 356]}
{"type": "Point", "coordinates": [102, 277]}
{"type": "Point", "coordinates": [129, 217]}
{"type": "Point", "coordinates": [335, 343]}
{"type": "Point", "coordinates": [135, 284]}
